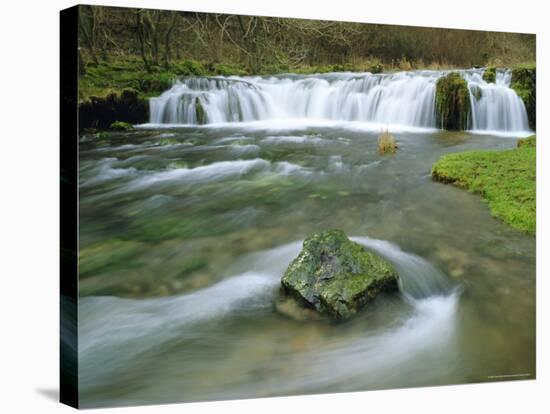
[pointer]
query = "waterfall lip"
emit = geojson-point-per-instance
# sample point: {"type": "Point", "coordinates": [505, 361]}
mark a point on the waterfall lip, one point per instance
{"type": "Point", "coordinates": [402, 101]}
{"type": "Point", "coordinates": [297, 124]}
{"type": "Point", "coordinates": [502, 134]}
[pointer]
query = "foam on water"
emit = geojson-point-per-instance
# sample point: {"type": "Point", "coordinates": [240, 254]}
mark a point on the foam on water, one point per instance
{"type": "Point", "coordinates": [282, 139]}
{"type": "Point", "coordinates": [103, 171]}
{"type": "Point", "coordinates": [418, 278]}
{"type": "Point", "coordinates": [208, 173]}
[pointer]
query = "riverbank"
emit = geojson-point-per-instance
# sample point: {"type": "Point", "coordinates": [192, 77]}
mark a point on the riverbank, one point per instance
{"type": "Point", "coordinates": [505, 179]}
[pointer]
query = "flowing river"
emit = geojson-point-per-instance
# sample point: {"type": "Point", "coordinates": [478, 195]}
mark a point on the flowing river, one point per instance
{"type": "Point", "coordinates": [186, 230]}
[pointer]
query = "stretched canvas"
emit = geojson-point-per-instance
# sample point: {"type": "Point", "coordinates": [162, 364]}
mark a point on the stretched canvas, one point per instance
{"type": "Point", "coordinates": [264, 206]}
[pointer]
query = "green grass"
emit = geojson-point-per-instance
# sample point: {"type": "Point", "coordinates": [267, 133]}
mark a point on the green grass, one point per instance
{"type": "Point", "coordinates": [505, 179]}
{"type": "Point", "coordinates": [120, 73]}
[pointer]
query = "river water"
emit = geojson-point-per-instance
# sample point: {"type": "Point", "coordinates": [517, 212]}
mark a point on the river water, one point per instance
{"type": "Point", "coordinates": [185, 232]}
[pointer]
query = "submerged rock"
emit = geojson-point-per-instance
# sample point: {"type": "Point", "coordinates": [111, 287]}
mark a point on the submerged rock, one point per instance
{"type": "Point", "coordinates": [452, 102]}
{"type": "Point", "coordinates": [337, 276]}
{"type": "Point", "coordinates": [291, 308]}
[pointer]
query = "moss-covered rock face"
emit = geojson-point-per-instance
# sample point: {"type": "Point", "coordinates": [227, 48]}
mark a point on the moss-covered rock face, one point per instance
{"type": "Point", "coordinates": [200, 113]}
{"type": "Point", "coordinates": [452, 102]}
{"type": "Point", "coordinates": [336, 276]}
{"type": "Point", "coordinates": [128, 106]}
{"type": "Point", "coordinates": [524, 82]}
{"type": "Point", "coordinates": [490, 75]}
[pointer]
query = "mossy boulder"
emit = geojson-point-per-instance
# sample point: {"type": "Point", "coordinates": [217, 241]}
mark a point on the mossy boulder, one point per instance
{"type": "Point", "coordinates": [200, 113]}
{"type": "Point", "coordinates": [121, 126]}
{"type": "Point", "coordinates": [524, 82]}
{"type": "Point", "coordinates": [452, 102]}
{"type": "Point", "coordinates": [490, 75]}
{"type": "Point", "coordinates": [126, 106]}
{"type": "Point", "coordinates": [336, 276]}
{"type": "Point", "coordinates": [376, 68]}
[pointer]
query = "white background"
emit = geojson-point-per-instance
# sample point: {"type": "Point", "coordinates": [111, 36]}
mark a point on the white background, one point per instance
{"type": "Point", "coordinates": [29, 206]}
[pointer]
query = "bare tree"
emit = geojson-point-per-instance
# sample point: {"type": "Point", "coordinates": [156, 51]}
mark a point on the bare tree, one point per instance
{"type": "Point", "coordinates": [88, 29]}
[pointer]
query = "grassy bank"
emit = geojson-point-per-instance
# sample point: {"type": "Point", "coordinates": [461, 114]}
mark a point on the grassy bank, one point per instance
{"type": "Point", "coordinates": [116, 74]}
{"type": "Point", "coordinates": [505, 179]}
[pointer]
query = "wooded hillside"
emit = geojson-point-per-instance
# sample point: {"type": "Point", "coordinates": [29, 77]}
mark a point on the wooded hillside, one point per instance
{"type": "Point", "coordinates": [269, 44]}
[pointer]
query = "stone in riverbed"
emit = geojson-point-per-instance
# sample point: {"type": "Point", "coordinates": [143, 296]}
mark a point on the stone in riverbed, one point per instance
{"type": "Point", "coordinates": [337, 276]}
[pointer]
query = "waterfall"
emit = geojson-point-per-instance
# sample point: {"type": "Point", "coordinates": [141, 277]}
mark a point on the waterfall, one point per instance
{"type": "Point", "coordinates": [396, 99]}
{"type": "Point", "coordinates": [495, 106]}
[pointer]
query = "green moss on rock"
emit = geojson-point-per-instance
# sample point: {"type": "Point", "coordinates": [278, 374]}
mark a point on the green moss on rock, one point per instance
{"type": "Point", "coordinates": [524, 83]}
{"type": "Point", "coordinates": [337, 276]}
{"type": "Point", "coordinates": [121, 126]}
{"type": "Point", "coordinates": [490, 75]}
{"type": "Point", "coordinates": [452, 101]}
{"type": "Point", "coordinates": [200, 113]}
{"type": "Point", "coordinates": [376, 68]}
{"type": "Point", "coordinates": [127, 106]}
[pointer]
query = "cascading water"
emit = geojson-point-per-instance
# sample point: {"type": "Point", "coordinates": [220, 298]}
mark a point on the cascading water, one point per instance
{"type": "Point", "coordinates": [495, 106]}
{"type": "Point", "coordinates": [398, 99]}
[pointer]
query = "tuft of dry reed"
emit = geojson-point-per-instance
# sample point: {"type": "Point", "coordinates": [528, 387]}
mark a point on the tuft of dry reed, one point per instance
{"type": "Point", "coordinates": [386, 143]}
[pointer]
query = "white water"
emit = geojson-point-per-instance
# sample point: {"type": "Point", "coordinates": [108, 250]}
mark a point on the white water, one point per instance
{"type": "Point", "coordinates": [398, 100]}
{"type": "Point", "coordinates": [499, 108]}
{"type": "Point", "coordinates": [137, 327]}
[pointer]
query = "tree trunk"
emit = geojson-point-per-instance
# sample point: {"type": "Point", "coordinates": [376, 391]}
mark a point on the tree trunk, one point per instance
{"type": "Point", "coordinates": [167, 39]}
{"type": "Point", "coordinates": [140, 28]}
